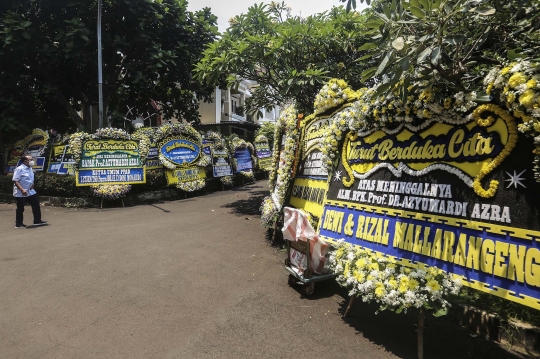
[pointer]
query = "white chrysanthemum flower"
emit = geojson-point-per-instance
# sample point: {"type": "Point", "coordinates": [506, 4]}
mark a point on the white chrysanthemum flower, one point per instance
{"type": "Point", "coordinates": [518, 67]}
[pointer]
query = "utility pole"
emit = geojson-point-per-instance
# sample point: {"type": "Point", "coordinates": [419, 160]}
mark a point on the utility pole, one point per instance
{"type": "Point", "coordinates": [100, 69]}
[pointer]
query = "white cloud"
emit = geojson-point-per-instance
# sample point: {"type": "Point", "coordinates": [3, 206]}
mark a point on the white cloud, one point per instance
{"type": "Point", "coordinates": [225, 9]}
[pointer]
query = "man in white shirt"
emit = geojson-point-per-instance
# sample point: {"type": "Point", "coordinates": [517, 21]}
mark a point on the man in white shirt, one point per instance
{"type": "Point", "coordinates": [23, 191]}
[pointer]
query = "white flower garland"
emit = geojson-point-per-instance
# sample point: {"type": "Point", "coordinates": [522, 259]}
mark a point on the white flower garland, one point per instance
{"type": "Point", "coordinates": [404, 168]}
{"type": "Point", "coordinates": [219, 143]}
{"type": "Point", "coordinates": [518, 87]}
{"type": "Point", "coordinates": [236, 143]}
{"type": "Point", "coordinates": [260, 140]}
{"type": "Point", "coordinates": [188, 132]}
{"type": "Point", "coordinates": [191, 186]}
{"type": "Point", "coordinates": [375, 277]}
{"type": "Point", "coordinates": [280, 175]}
{"type": "Point", "coordinates": [333, 94]}
{"type": "Point", "coordinates": [109, 191]}
{"type": "Point", "coordinates": [371, 113]}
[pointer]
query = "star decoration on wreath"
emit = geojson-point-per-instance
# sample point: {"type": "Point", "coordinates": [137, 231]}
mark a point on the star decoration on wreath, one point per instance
{"type": "Point", "coordinates": [337, 176]}
{"type": "Point", "coordinates": [516, 179]}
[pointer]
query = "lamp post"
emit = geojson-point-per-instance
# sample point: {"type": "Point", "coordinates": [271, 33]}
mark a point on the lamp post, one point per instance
{"type": "Point", "coordinates": [100, 69]}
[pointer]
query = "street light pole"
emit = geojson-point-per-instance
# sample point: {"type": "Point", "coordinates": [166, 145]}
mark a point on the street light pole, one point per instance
{"type": "Point", "coordinates": [100, 69]}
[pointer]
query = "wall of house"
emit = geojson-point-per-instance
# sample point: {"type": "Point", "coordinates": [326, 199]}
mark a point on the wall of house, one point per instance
{"type": "Point", "coordinates": [207, 112]}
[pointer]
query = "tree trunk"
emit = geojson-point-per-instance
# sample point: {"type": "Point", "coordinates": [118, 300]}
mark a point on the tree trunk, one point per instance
{"type": "Point", "coordinates": [79, 122]}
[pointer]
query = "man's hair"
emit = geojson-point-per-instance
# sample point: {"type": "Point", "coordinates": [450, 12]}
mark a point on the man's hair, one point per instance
{"type": "Point", "coordinates": [24, 158]}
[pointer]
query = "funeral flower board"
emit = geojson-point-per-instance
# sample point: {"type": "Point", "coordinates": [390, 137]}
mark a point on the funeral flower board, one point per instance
{"type": "Point", "coordinates": [34, 145]}
{"type": "Point", "coordinates": [242, 155]}
{"type": "Point", "coordinates": [152, 161]}
{"type": "Point", "coordinates": [184, 154]}
{"type": "Point", "coordinates": [310, 183]}
{"type": "Point", "coordinates": [221, 163]}
{"type": "Point", "coordinates": [61, 160]}
{"type": "Point", "coordinates": [263, 153]}
{"type": "Point", "coordinates": [461, 197]}
{"type": "Point", "coordinates": [110, 162]}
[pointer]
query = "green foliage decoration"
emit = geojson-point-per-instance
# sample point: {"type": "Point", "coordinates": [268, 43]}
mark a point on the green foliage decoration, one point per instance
{"type": "Point", "coordinates": [289, 57]}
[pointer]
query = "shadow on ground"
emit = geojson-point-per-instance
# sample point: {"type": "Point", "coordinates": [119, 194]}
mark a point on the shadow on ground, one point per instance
{"type": "Point", "coordinates": [443, 339]}
{"type": "Point", "coordinates": [248, 206]}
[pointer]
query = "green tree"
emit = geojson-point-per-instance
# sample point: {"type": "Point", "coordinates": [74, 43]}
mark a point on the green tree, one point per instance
{"type": "Point", "coordinates": [267, 129]}
{"type": "Point", "coordinates": [149, 51]}
{"type": "Point", "coordinates": [23, 109]}
{"type": "Point", "coordinates": [450, 44]}
{"type": "Point", "coordinates": [289, 57]}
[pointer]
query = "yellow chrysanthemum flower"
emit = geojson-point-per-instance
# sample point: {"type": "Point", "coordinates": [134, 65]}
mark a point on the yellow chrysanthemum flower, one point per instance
{"type": "Point", "coordinates": [361, 263]}
{"type": "Point", "coordinates": [403, 287]}
{"type": "Point", "coordinates": [528, 98]}
{"type": "Point", "coordinates": [413, 284]}
{"type": "Point", "coordinates": [489, 88]}
{"type": "Point", "coordinates": [531, 83]}
{"type": "Point", "coordinates": [359, 276]}
{"type": "Point", "coordinates": [433, 285]}
{"type": "Point", "coordinates": [517, 79]}
{"type": "Point", "coordinates": [511, 97]}
{"type": "Point", "coordinates": [379, 291]}
{"type": "Point", "coordinates": [507, 69]}
{"type": "Point", "coordinates": [346, 270]}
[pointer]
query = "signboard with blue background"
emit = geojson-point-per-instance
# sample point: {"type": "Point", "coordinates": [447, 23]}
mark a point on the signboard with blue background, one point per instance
{"type": "Point", "coordinates": [243, 160]}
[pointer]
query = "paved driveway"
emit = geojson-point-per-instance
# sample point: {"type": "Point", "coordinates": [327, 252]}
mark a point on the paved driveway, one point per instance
{"type": "Point", "coordinates": [193, 278]}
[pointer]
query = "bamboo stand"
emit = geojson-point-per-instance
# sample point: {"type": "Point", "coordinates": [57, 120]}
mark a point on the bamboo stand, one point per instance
{"type": "Point", "coordinates": [421, 334]}
{"type": "Point", "coordinates": [274, 232]}
{"type": "Point", "coordinates": [349, 306]}
{"type": "Point", "coordinates": [103, 199]}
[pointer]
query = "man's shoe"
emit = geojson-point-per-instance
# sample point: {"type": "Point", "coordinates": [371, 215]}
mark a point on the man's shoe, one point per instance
{"type": "Point", "coordinates": [18, 226]}
{"type": "Point", "coordinates": [41, 223]}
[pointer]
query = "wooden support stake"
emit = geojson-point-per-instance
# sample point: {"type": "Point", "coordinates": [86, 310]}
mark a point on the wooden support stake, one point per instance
{"type": "Point", "coordinates": [274, 232]}
{"type": "Point", "coordinates": [421, 334]}
{"type": "Point", "coordinates": [101, 202]}
{"type": "Point", "coordinates": [351, 301]}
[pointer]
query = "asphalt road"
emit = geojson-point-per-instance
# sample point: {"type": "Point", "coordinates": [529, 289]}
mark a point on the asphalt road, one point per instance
{"type": "Point", "coordinates": [193, 278]}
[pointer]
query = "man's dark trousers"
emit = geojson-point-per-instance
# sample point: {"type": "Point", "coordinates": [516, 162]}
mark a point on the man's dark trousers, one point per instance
{"type": "Point", "coordinates": [36, 211]}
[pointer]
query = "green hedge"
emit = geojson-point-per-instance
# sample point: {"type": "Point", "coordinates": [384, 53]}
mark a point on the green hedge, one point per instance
{"type": "Point", "coordinates": [6, 185]}
{"type": "Point", "coordinates": [50, 184]}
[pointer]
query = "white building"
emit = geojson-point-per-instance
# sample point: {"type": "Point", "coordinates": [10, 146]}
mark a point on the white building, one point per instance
{"type": "Point", "coordinates": [227, 115]}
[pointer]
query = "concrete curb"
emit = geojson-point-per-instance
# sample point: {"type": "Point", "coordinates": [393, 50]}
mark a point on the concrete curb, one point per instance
{"type": "Point", "coordinates": [143, 197]}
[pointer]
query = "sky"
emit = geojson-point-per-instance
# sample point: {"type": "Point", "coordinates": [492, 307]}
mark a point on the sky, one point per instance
{"type": "Point", "coordinates": [225, 9]}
